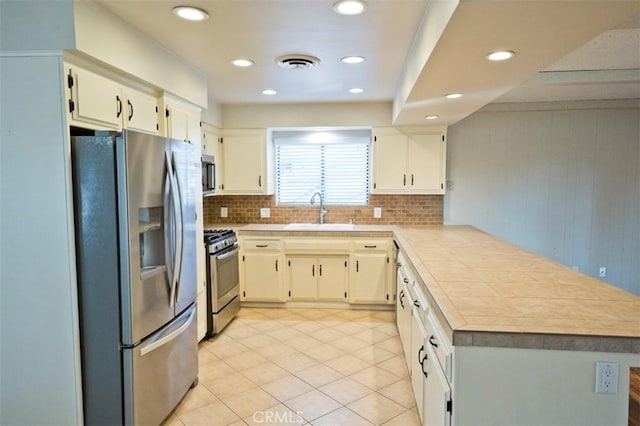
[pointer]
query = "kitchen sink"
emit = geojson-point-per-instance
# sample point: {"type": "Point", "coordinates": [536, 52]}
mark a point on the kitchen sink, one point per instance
{"type": "Point", "coordinates": [319, 227]}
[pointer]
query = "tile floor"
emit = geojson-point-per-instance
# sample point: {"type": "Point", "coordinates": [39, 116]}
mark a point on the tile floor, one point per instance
{"type": "Point", "coordinates": [302, 367]}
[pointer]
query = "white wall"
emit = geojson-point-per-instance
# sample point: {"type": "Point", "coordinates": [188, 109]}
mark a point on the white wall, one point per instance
{"type": "Point", "coordinates": [36, 25]}
{"type": "Point", "coordinates": [39, 354]}
{"type": "Point", "coordinates": [306, 115]}
{"type": "Point", "coordinates": [562, 180]}
{"type": "Point", "coordinates": [523, 387]}
{"type": "Point", "coordinates": [109, 39]}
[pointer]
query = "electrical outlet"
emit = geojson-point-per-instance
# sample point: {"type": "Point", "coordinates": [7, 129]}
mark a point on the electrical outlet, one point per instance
{"type": "Point", "coordinates": [607, 377]}
{"type": "Point", "coordinates": [451, 185]}
{"type": "Point", "coordinates": [265, 212]}
{"type": "Point", "coordinates": [602, 272]}
{"type": "Point", "coordinates": [377, 212]}
{"type": "Point", "coordinates": [224, 212]}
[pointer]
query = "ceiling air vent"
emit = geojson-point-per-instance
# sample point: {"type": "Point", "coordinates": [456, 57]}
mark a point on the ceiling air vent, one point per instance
{"type": "Point", "coordinates": [297, 62]}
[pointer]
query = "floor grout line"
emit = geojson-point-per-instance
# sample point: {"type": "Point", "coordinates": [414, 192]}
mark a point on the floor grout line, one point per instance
{"type": "Point", "coordinates": [297, 332]}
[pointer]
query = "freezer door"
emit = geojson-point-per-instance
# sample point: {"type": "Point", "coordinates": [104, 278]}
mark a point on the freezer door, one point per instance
{"type": "Point", "coordinates": [160, 371]}
{"type": "Point", "coordinates": [187, 169]}
{"type": "Point", "coordinates": [147, 234]}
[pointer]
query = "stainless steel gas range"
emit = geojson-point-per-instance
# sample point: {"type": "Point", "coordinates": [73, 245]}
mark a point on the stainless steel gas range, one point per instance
{"type": "Point", "coordinates": [223, 284]}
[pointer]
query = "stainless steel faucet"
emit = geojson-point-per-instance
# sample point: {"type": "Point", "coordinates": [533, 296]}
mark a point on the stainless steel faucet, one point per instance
{"type": "Point", "coordinates": [322, 210]}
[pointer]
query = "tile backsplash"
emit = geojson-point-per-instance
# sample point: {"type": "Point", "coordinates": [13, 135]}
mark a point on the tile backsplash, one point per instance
{"type": "Point", "coordinates": [396, 210]}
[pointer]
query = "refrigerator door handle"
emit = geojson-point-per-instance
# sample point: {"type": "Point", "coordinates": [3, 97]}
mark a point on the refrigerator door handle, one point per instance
{"type": "Point", "coordinates": [173, 223]}
{"type": "Point", "coordinates": [169, 337]}
{"type": "Point", "coordinates": [167, 220]}
{"type": "Point", "coordinates": [180, 233]}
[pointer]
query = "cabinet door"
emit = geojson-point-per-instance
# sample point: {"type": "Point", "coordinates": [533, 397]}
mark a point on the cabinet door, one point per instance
{"type": "Point", "coordinates": [369, 278]}
{"type": "Point", "coordinates": [417, 355]}
{"type": "Point", "coordinates": [177, 122]}
{"type": "Point", "coordinates": [96, 99]}
{"type": "Point", "coordinates": [261, 277]}
{"type": "Point", "coordinates": [332, 278]}
{"type": "Point", "coordinates": [436, 393]}
{"type": "Point", "coordinates": [389, 164]}
{"type": "Point", "coordinates": [193, 127]}
{"type": "Point", "coordinates": [302, 275]}
{"type": "Point", "coordinates": [211, 145]}
{"type": "Point", "coordinates": [243, 158]}
{"type": "Point", "coordinates": [141, 112]}
{"type": "Point", "coordinates": [426, 164]}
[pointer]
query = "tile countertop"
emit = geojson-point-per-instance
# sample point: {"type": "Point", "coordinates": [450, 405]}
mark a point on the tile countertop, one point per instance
{"type": "Point", "coordinates": [487, 292]}
{"type": "Point", "coordinates": [492, 293]}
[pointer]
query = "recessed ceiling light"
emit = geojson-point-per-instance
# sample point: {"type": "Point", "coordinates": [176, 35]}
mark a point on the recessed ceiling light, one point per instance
{"type": "Point", "coordinates": [269, 92]}
{"type": "Point", "coordinates": [356, 90]}
{"type": "Point", "coordinates": [431, 117]}
{"type": "Point", "coordinates": [243, 63]}
{"type": "Point", "coordinates": [353, 59]}
{"type": "Point", "coordinates": [349, 7]}
{"type": "Point", "coordinates": [500, 55]}
{"type": "Point", "coordinates": [191, 13]}
{"type": "Point", "coordinates": [453, 95]}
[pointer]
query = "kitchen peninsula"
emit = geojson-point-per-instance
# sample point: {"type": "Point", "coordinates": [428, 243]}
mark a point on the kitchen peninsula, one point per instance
{"type": "Point", "coordinates": [518, 324]}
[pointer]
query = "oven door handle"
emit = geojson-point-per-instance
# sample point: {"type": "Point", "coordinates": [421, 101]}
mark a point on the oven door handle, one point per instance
{"type": "Point", "coordinates": [227, 254]}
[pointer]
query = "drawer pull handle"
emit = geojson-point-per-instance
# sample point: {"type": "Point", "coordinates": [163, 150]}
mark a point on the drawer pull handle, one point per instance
{"type": "Point", "coordinates": [426, 375]}
{"type": "Point", "coordinates": [262, 245]}
{"type": "Point", "coordinates": [405, 280]}
{"type": "Point", "coordinates": [416, 304]}
{"type": "Point", "coordinates": [431, 340]}
{"type": "Point", "coordinates": [402, 298]}
{"type": "Point", "coordinates": [370, 246]}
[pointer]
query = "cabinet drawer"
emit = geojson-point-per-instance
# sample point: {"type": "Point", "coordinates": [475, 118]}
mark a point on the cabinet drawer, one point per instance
{"type": "Point", "coordinates": [317, 246]}
{"type": "Point", "coordinates": [260, 244]}
{"type": "Point", "coordinates": [373, 244]}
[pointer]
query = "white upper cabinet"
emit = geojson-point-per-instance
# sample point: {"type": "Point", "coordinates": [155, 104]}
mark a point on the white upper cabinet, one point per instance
{"type": "Point", "coordinates": [247, 163]}
{"type": "Point", "coordinates": [182, 121]}
{"type": "Point", "coordinates": [211, 141]}
{"type": "Point", "coordinates": [409, 163]}
{"type": "Point", "coordinates": [212, 145]}
{"type": "Point", "coordinates": [94, 99]}
{"type": "Point", "coordinates": [142, 111]}
{"type": "Point", "coordinates": [98, 102]}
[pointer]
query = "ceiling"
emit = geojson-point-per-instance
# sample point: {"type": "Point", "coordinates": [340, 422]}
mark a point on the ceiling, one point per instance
{"type": "Point", "coordinates": [416, 51]}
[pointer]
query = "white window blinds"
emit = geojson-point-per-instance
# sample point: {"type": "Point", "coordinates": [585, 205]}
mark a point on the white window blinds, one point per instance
{"type": "Point", "coordinates": [336, 164]}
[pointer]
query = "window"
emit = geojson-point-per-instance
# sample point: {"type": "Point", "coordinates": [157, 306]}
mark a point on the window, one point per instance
{"type": "Point", "coordinates": [334, 163]}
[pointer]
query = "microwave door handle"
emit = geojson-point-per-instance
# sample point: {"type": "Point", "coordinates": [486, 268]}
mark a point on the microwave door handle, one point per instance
{"type": "Point", "coordinates": [211, 173]}
{"type": "Point", "coordinates": [168, 228]}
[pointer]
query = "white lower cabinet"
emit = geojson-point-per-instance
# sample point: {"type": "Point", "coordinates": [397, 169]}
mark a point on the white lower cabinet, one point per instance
{"type": "Point", "coordinates": [417, 356]}
{"type": "Point", "coordinates": [403, 310]}
{"type": "Point", "coordinates": [261, 270]}
{"type": "Point", "coordinates": [428, 353]}
{"type": "Point", "coordinates": [331, 269]}
{"type": "Point", "coordinates": [371, 272]}
{"type": "Point", "coordinates": [313, 278]}
{"type": "Point", "coordinates": [436, 393]}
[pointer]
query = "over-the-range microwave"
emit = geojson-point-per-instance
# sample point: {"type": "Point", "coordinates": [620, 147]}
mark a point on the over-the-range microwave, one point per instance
{"type": "Point", "coordinates": [208, 175]}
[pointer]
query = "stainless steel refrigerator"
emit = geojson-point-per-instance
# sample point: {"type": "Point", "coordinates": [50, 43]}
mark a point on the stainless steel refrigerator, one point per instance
{"type": "Point", "coordinates": [134, 205]}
